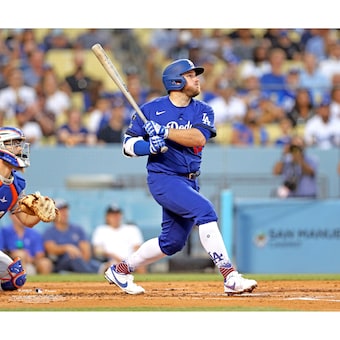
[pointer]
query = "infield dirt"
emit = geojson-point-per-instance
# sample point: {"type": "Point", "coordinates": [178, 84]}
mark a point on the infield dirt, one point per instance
{"type": "Point", "coordinates": [174, 296]}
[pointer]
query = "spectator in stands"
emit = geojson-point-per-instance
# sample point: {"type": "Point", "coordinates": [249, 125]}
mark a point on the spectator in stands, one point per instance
{"type": "Point", "coordinates": [317, 43]}
{"type": "Point", "coordinates": [244, 43]}
{"type": "Point", "coordinates": [335, 80]}
{"type": "Point", "coordinates": [138, 91]}
{"type": "Point", "coordinates": [292, 82]}
{"type": "Point", "coordinates": [302, 108]}
{"type": "Point", "coordinates": [209, 78]}
{"type": "Point", "coordinates": [164, 39]}
{"type": "Point", "coordinates": [250, 131]}
{"type": "Point", "coordinates": [30, 128]}
{"type": "Point", "coordinates": [26, 243]}
{"type": "Point", "coordinates": [4, 63]}
{"type": "Point", "coordinates": [298, 171]}
{"type": "Point", "coordinates": [268, 111]}
{"type": "Point", "coordinates": [320, 130]}
{"type": "Point", "coordinates": [68, 245]}
{"type": "Point", "coordinates": [96, 90]}
{"type": "Point", "coordinates": [331, 64]}
{"type": "Point", "coordinates": [56, 39]}
{"type": "Point", "coordinates": [92, 36]}
{"type": "Point", "coordinates": [100, 112]}
{"type": "Point", "coordinates": [258, 64]}
{"type": "Point", "coordinates": [286, 131]}
{"type": "Point", "coordinates": [16, 93]}
{"type": "Point", "coordinates": [73, 131]}
{"type": "Point", "coordinates": [211, 41]}
{"type": "Point", "coordinates": [56, 101]}
{"type": "Point", "coordinates": [273, 83]}
{"type": "Point", "coordinates": [272, 35]}
{"type": "Point", "coordinates": [228, 107]}
{"type": "Point", "coordinates": [115, 240]}
{"type": "Point", "coordinates": [249, 87]}
{"type": "Point", "coordinates": [334, 106]}
{"type": "Point", "coordinates": [78, 80]}
{"type": "Point", "coordinates": [181, 49]}
{"type": "Point", "coordinates": [112, 130]}
{"type": "Point", "coordinates": [312, 79]}
{"type": "Point", "coordinates": [291, 48]}
{"type": "Point", "coordinates": [35, 68]}
{"type": "Point", "coordinates": [13, 43]}
{"type": "Point", "coordinates": [29, 42]}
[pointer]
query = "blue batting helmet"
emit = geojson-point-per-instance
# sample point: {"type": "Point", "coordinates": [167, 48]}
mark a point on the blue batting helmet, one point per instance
{"type": "Point", "coordinates": [13, 148]}
{"type": "Point", "coordinates": [173, 74]}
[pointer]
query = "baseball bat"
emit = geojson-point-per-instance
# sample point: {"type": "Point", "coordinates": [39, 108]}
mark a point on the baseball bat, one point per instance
{"type": "Point", "coordinates": [115, 76]}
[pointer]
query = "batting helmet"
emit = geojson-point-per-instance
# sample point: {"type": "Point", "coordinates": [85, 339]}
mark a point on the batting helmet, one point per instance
{"type": "Point", "coordinates": [173, 74]}
{"type": "Point", "coordinates": [13, 148]}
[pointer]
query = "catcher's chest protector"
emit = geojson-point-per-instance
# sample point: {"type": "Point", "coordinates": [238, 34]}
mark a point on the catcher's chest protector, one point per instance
{"type": "Point", "coordinates": [9, 194]}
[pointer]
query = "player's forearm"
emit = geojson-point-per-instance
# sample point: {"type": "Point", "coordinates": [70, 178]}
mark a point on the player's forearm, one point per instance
{"type": "Point", "coordinates": [187, 137]}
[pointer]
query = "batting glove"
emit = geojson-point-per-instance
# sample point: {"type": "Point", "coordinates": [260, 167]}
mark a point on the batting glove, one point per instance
{"type": "Point", "coordinates": [154, 129]}
{"type": "Point", "coordinates": [156, 144]}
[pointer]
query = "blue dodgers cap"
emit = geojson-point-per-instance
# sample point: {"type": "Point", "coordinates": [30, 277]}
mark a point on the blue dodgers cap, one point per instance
{"type": "Point", "coordinates": [117, 102]}
{"type": "Point", "coordinates": [61, 203]}
{"type": "Point", "coordinates": [113, 208]}
{"type": "Point", "coordinates": [324, 102]}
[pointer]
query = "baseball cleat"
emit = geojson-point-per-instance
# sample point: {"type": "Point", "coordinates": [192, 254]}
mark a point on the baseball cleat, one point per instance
{"type": "Point", "coordinates": [123, 281]}
{"type": "Point", "coordinates": [236, 284]}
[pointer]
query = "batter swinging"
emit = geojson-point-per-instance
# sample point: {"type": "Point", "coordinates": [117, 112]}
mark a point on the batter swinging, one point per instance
{"type": "Point", "coordinates": [184, 125]}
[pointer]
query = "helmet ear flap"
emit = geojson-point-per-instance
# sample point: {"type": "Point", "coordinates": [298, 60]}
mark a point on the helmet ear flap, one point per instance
{"type": "Point", "coordinates": [175, 83]}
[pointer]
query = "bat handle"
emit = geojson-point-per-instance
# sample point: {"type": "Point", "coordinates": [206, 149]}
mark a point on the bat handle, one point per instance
{"type": "Point", "coordinates": [164, 149]}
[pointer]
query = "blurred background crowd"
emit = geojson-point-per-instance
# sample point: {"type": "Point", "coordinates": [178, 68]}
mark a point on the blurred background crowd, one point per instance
{"type": "Point", "coordinates": [264, 85]}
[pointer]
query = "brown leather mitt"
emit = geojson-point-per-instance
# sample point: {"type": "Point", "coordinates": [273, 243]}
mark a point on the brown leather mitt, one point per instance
{"type": "Point", "coordinates": [38, 205]}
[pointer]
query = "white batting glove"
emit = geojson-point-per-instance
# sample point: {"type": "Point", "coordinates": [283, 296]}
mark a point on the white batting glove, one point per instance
{"type": "Point", "coordinates": [154, 129]}
{"type": "Point", "coordinates": [156, 144]}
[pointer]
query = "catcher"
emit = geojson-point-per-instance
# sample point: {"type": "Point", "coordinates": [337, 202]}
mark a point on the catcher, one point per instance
{"type": "Point", "coordinates": [30, 209]}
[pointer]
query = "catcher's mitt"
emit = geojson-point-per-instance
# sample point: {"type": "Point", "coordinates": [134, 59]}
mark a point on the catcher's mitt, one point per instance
{"type": "Point", "coordinates": [38, 205]}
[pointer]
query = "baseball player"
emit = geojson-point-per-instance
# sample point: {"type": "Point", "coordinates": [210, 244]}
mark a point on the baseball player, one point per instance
{"type": "Point", "coordinates": [14, 158]}
{"type": "Point", "coordinates": [184, 125]}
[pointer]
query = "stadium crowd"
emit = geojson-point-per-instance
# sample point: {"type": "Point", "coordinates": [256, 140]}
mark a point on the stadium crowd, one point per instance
{"type": "Point", "coordinates": [258, 81]}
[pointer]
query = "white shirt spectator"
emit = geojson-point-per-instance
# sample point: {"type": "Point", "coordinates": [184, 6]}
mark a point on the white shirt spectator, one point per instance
{"type": "Point", "coordinates": [324, 135]}
{"type": "Point", "coordinates": [9, 98]}
{"type": "Point", "coordinates": [234, 109]}
{"type": "Point", "coordinates": [57, 103]}
{"type": "Point", "coordinates": [33, 133]}
{"type": "Point", "coordinates": [119, 241]}
{"type": "Point", "coordinates": [16, 94]}
{"type": "Point", "coordinates": [331, 65]}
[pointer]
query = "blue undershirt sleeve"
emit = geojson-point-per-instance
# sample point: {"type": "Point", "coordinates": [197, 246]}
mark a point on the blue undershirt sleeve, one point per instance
{"type": "Point", "coordinates": [142, 148]}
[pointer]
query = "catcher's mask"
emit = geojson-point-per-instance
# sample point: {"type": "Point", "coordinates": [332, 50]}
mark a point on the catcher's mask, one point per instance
{"type": "Point", "coordinates": [173, 74]}
{"type": "Point", "coordinates": [13, 148]}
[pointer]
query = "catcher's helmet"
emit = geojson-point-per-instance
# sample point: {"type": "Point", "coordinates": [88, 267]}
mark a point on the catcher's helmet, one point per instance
{"type": "Point", "coordinates": [13, 148]}
{"type": "Point", "coordinates": [173, 74]}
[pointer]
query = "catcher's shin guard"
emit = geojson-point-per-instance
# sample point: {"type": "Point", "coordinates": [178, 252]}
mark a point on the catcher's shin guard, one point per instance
{"type": "Point", "coordinates": [16, 278]}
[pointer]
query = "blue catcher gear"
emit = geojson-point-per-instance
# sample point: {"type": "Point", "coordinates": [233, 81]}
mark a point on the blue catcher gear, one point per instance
{"type": "Point", "coordinates": [16, 278]}
{"type": "Point", "coordinates": [173, 74]}
{"type": "Point", "coordinates": [13, 148]}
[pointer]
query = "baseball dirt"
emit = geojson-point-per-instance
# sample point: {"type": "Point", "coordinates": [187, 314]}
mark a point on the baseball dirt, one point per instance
{"type": "Point", "coordinates": [174, 296]}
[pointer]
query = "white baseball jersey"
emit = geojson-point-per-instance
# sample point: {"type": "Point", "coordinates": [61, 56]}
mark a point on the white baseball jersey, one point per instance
{"type": "Point", "coordinates": [320, 134]}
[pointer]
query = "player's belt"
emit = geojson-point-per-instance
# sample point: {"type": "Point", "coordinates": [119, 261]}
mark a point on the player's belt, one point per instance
{"type": "Point", "coordinates": [191, 175]}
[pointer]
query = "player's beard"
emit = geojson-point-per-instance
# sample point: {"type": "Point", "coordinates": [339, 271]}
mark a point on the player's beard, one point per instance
{"type": "Point", "coordinates": [192, 91]}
